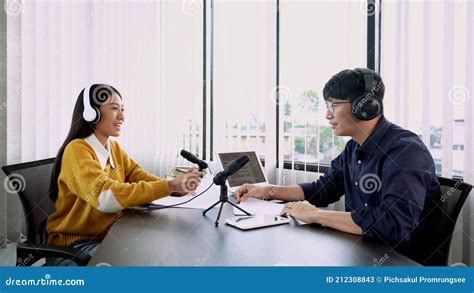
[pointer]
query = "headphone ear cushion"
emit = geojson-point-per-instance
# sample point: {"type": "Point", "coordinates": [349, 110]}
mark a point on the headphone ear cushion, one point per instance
{"type": "Point", "coordinates": [89, 114]}
{"type": "Point", "coordinates": [97, 115]}
{"type": "Point", "coordinates": [366, 107]}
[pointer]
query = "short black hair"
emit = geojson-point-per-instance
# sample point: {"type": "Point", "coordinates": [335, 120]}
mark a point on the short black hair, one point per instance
{"type": "Point", "coordinates": [349, 84]}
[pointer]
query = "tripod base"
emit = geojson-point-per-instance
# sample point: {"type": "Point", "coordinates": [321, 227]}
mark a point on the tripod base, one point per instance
{"type": "Point", "coordinates": [222, 200]}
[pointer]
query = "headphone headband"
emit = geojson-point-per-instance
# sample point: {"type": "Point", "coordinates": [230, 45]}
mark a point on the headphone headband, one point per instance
{"type": "Point", "coordinates": [90, 114]}
{"type": "Point", "coordinates": [368, 105]}
{"type": "Point", "coordinates": [368, 76]}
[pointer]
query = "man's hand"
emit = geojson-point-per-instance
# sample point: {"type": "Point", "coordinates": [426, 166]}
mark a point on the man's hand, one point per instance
{"type": "Point", "coordinates": [247, 191]}
{"type": "Point", "coordinates": [301, 210]}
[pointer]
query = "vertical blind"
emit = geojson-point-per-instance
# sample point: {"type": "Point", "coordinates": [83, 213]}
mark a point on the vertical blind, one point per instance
{"type": "Point", "coordinates": [151, 51]}
{"type": "Point", "coordinates": [427, 65]}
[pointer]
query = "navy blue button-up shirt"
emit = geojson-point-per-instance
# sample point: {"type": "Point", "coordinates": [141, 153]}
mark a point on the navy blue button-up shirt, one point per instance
{"type": "Point", "coordinates": [389, 182]}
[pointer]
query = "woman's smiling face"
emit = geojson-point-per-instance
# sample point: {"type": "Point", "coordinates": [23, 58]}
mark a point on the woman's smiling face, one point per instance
{"type": "Point", "coordinates": [111, 117]}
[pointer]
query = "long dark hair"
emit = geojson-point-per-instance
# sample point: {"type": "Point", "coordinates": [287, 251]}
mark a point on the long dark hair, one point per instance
{"type": "Point", "coordinates": [80, 128]}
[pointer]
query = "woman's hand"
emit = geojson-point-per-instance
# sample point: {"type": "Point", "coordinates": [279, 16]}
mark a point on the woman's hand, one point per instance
{"type": "Point", "coordinates": [186, 183]}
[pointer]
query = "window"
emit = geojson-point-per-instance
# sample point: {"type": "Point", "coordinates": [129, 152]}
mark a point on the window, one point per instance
{"type": "Point", "coordinates": [426, 72]}
{"type": "Point", "coordinates": [317, 40]}
{"type": "Point", "coordinates": [244, 71]}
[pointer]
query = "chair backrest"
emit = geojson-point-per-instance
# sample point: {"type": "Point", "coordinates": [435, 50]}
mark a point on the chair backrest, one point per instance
{"type": "Point", "coordinates": [442, 222]}
{"type": "Point", "coordinates": [31, 182]}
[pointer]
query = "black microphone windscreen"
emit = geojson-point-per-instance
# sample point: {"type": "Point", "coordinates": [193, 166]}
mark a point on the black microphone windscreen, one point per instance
{"type": "Point", "coordinates": [236, 165]}
{"type": "Point", "coordinates": [193, 159]}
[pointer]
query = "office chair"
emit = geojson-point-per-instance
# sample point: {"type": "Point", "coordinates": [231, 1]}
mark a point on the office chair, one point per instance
{"type": "Point", "coordinates": [31, 181]}
{"type": "Point", "coordinates": [433, 246]}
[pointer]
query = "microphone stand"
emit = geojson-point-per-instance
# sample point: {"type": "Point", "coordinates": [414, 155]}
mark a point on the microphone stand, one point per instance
{"type": "Point", "coordinates": [222, 200]}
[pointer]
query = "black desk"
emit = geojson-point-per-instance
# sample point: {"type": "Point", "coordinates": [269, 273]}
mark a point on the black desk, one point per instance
{"type": "Point", "coordinates": [183, 237]}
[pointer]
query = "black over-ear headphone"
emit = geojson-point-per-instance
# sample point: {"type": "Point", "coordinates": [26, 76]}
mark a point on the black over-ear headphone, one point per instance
{"type": "Point", "coordinates": [367, 106]}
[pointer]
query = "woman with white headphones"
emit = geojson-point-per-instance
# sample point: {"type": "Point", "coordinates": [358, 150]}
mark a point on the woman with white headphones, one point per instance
{"type": "Point", "coordinates": [93, 178]}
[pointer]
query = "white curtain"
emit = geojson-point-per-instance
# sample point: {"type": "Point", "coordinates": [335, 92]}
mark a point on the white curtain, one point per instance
{"type": "Point", "coordinates": [151, 51]}
{"type": "Point", "coordinates": [244, 68]}
{"type": "Point", "coordinates": [427, 67]}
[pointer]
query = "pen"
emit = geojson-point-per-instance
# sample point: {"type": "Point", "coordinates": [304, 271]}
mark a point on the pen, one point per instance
{"type": "Point", "coordinates": [243, 218]}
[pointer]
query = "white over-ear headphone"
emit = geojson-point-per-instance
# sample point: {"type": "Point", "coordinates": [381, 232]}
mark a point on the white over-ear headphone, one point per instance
{"type": "Point", "coordinates": [91, 114]}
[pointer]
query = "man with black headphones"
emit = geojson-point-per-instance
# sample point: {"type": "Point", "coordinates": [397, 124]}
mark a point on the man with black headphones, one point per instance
{"type": "Point", "coordinates": [385, 172]}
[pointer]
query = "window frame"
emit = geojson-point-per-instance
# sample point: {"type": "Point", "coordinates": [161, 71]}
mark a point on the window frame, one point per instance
{"type": "Point", "coordinates": [373, 62]}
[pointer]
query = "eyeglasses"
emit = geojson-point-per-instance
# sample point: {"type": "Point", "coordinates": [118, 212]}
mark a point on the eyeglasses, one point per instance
{"type": "Point", "coordinates": [330, 106]}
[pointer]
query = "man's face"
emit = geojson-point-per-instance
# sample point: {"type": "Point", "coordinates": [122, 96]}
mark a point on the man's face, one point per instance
{"type": "Point", "coordinates": [341, 119]}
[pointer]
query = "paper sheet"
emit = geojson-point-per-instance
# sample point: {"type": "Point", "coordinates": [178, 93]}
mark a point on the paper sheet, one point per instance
{"type": "Point", "coordinates": [259, 207]}
{"type": "Point", "coordinates": [262, 207]}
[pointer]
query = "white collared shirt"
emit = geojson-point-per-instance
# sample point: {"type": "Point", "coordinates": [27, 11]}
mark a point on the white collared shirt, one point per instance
{"type": "Point", "coordinates": [103, 153]}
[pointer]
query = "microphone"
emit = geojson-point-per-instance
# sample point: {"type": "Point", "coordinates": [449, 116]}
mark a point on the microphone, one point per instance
{"type": "Point", "coordinates": [193, 159]}
{"type": "Point", "coordinates": [233, 167]}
